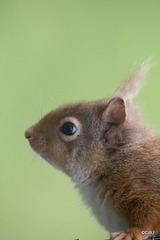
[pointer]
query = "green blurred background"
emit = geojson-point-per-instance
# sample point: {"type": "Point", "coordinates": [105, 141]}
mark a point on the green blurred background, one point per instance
{"type": "Point", "coordinates": [56, 52]}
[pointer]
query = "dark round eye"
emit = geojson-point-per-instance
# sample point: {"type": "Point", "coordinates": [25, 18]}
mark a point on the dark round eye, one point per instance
{"type": "Point", "coordinates": [68, 128]}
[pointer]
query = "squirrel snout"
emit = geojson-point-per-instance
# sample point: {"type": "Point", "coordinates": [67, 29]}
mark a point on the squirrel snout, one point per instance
{"type": "Point", "coordinates": [28, 133]}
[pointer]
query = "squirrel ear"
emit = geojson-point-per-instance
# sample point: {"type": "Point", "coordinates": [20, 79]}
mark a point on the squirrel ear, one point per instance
{"type": "Point", "coordinates": [115, 111]}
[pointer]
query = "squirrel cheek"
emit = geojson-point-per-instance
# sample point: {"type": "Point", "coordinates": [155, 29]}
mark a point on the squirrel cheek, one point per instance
{"type": "Point", "coordinates": [58, 157]}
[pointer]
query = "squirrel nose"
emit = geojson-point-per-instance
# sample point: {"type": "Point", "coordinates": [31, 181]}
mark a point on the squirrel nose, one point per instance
{"type": "Point", "coordinates": [28, 133]}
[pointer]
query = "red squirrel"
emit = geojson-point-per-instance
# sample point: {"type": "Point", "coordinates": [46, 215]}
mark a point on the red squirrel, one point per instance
{"type": "Point", "coordinates": [112, 156]}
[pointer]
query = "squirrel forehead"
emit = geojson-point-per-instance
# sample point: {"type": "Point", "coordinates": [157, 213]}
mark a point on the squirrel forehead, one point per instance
{"type": "Point", "coordinates": [84, 112]}
{"type": "Point", "coordinates": [81, 109]}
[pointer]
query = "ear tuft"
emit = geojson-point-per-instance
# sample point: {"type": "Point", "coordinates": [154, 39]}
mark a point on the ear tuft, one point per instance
{"type": "Point", "coordinates": [131, 87]}
{"type": "Point", "coordinates": [115, 111]}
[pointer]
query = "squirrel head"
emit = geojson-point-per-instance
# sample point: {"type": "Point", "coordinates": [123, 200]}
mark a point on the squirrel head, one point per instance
{"type": "Point", "coordinates": [78, 138]}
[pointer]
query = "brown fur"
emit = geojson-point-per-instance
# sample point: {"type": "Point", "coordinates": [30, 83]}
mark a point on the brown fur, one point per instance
{"type": "Point", "coordinates": [114, 159]}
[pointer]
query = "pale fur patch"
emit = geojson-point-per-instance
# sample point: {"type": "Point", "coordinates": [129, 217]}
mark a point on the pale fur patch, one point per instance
{"type": "Point", "coordinates": [104, 213]}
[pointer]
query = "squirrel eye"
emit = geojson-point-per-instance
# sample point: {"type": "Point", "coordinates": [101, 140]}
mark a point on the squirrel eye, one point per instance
{"type": "Point", "coordinates": [68, 128]}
